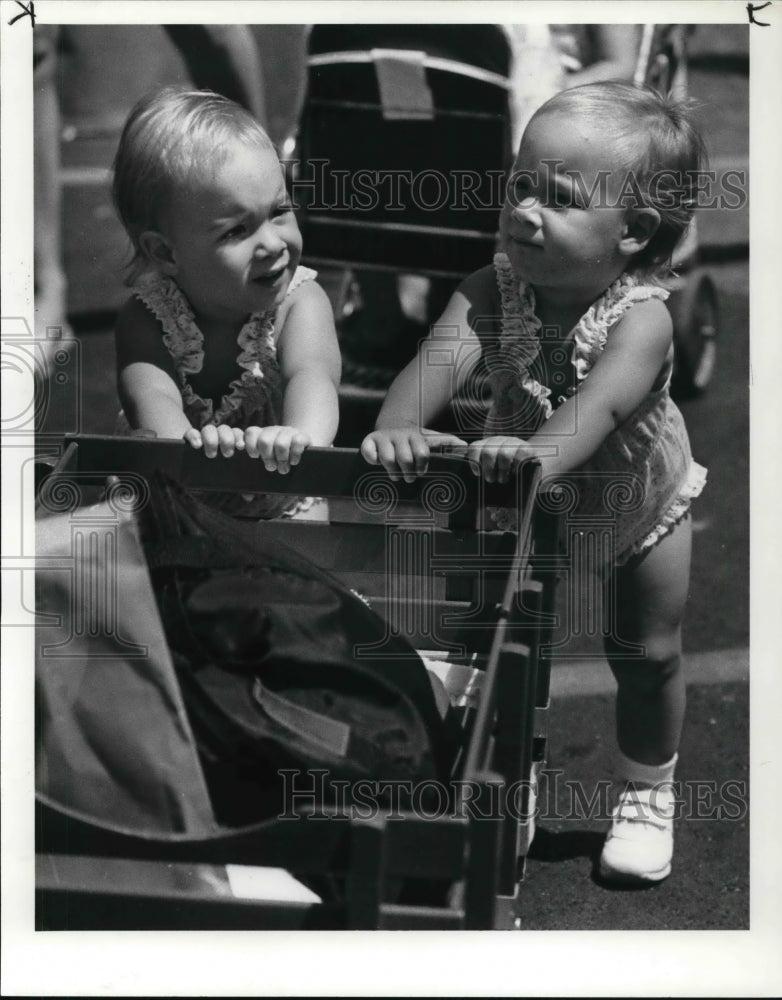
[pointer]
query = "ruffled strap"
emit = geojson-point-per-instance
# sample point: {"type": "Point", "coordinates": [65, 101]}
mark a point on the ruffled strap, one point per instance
{"type": "Point", "coordinates": [185, 343]}
{"type": "Point", "coordinates": [300, 275]}
{"type": "Point", "coordinates": [258, 353]}
{"type": "Point", "coordinates": [591, 332]}
{"type": "Point", "coordinates": [181, 336]}
{"type": "Point", "coordinates": [519, 336]}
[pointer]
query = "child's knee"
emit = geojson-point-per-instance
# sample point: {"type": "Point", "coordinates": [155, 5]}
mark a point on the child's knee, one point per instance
{"type": "Point", "coordinates": [657, 659]}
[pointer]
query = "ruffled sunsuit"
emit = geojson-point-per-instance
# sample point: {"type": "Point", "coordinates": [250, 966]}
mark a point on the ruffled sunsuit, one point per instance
{"type": "Point", "coordinates": [253, 399]}
{"type": "Point", "coordinates": [642, 477]}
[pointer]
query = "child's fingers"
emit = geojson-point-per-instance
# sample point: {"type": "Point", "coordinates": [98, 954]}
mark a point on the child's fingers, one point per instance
{"type": "Point", "coordinates": [210, 440]}
{"type": "Point", "coordinates": [495, 459]}
{"type": "Point", "coordinates": [421, 448]}
{"type": "Point", "coordinates": [398, 452]}
{"type": "Point", "coordinates": [282, 449]}
{"type": "Point", "coordinates": [252, 441]}
{"type": "Point", "coordinates": [409, 462]}
{"type": "Point", "coordinates": [441, 442]}
{"type": "Point", "coordinates": [387, 456]}
{"type": "Point", "coordinates": [482, 456]}
{"type": "Point", "coordinates": [227, 440]}
{"type": "Point", "coordinates": [193, 438]}
{"type": "Point", "coordinates": [488, 463]}
{"type": "Point", "coordinates": [299, 443]}
{"type": "Point", "coordinates": [506, 461]}
{"type": "Point", "coordinates": [266, 441]}
{"type": "Point", "coordinates": [518, 452]}
{"type": "Point", "coordinates": [369, 450]}
{"type": "Point", "coordinates": [474, 456]}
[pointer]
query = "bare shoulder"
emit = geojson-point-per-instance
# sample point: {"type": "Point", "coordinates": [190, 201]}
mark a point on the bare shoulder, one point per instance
{"type": "Point", "coordinates": [305, 332]}
{"type": "Point", "coordinates": [643, 337]}
{"type": "Point", "coordinates": [649, 319]}
{"type": "Point", "coordinates": [307, 300]}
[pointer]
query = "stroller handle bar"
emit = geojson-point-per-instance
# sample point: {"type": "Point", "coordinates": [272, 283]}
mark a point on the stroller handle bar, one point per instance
{"type": "Point", "coordinates": [412, 55]}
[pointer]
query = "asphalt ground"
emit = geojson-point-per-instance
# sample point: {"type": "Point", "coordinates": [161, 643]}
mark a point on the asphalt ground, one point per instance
{"type": "Point", "coordinates": [709, 887]}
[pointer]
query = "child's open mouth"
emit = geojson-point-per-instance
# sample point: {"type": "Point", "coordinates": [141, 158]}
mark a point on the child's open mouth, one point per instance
{"type": "Point", "coordinates": [521, 242]}
{"type": "Point", "coordinates": [271, 277]}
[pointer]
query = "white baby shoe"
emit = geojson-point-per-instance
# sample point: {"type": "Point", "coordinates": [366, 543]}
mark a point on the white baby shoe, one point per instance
{"type": "Point", "coordinates": [639, 846]}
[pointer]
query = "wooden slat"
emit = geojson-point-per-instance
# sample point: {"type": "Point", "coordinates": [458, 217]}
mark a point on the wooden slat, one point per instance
{"type": "Point", "coordinates": [84, 910]}
{"type": "Point", "coordinates": [321, 472]}
{"type": "Point", "coordinates": [394, 917]}
{"type": "Point", "coordinates": [540, 729]}
{"type": "Point", "coordinates": [481, 884]}
{"type": "Point", "coordinates": [306, 845]}
{"type": "Point", "coordinates": [89, 893]}
{"type": "Point", "coordinates": [367, 874]}
{"type": "Point", "coordinates": [477, 758]}
{"type": "Point", "coordinates": [510, 753]}
{"type": "Point", "coordinates": [365, 547]}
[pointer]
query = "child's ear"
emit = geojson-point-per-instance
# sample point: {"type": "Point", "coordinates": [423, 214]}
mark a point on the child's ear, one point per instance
{"type": "Point", "coordinates": [158, 251]}
{"type": "Point", "coordinates": [640, 226]}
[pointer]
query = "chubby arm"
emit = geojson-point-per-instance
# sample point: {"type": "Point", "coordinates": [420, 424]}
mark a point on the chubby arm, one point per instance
{"type": "Point", "coordinates": [310, 364]}
{"type": "Point", "coordinates": [146, 379]}
{"type": "Point", "coordinates": [617, 384]}
{"type": "Point", "coordinates": [401, 441]}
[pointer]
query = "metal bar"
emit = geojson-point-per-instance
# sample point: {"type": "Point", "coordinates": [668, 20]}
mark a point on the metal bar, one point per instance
{"type": "Point", "coordinates": [430, 62]}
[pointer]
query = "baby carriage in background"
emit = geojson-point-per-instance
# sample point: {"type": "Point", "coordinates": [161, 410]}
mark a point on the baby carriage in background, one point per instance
{"type": "Point", "coordinates": [405, 137]}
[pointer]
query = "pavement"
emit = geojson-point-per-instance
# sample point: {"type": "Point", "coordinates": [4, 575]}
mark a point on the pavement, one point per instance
{"type": "Point", "coordinates": [709, 887]}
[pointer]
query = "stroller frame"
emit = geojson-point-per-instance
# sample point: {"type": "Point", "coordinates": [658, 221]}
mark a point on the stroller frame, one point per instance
{"type": "Point", "coordinates": [484, 597]}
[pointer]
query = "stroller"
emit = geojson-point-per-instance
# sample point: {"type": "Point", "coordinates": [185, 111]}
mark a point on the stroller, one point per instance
{"type": "Point", "coordinates": [405, 138]}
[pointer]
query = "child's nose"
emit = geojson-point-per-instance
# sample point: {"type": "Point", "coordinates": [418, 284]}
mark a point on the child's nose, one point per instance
{"type": "Point", "coordinates": [268, 241]}
{"type": "Point", "coordinates": [527, 210]}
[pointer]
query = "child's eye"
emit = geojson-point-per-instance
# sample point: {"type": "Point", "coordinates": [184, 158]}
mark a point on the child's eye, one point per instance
{"type": "Point", "coordinates": [522, 189]}
{"type": "Point", "coordinates": [563, 198]}
{"type": "Point", "coordinates": [235, 232]}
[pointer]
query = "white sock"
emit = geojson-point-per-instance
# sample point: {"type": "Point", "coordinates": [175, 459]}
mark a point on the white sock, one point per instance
{"type": "Point", "coordinates": [628, 770]}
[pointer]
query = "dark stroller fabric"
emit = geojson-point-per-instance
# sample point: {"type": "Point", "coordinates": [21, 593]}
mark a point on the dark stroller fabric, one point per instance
{"type": "Point", "coordinates": [113, 740]}
{"type": "Point", "coordinates": [282, 668]}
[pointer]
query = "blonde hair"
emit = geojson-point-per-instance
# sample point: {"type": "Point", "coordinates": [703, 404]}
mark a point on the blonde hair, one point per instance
{"type": "Point", "coordinates": [171, 138]}
{"type": "Point", "coordinates": [656, 142]}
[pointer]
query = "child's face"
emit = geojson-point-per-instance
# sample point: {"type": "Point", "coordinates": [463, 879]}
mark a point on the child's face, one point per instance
{"type": "Point", "coordinates": [234, 238]}
{"type": "Point", "coordinates": [553, 233]}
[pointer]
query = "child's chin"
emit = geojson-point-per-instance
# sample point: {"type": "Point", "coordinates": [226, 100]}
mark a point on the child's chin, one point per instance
{"type": "Point", "coordinates": [521, 266]}
{"type": "Point", "coordinates": [269, 296]}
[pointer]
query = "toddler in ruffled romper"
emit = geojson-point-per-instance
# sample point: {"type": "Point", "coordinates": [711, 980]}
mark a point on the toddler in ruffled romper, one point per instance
{"type": "Point", "coordinates": [580, 360]}
{"type": "Point", "coordinates": [226, 341]}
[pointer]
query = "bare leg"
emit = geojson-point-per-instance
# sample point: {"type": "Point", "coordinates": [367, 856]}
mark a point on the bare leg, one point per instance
{"type": "Point", "coordinates": [650, 597]}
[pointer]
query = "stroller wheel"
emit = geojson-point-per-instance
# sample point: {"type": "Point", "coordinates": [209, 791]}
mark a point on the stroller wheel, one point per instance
{"type": "Point", "coordinates": [695, 312]}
